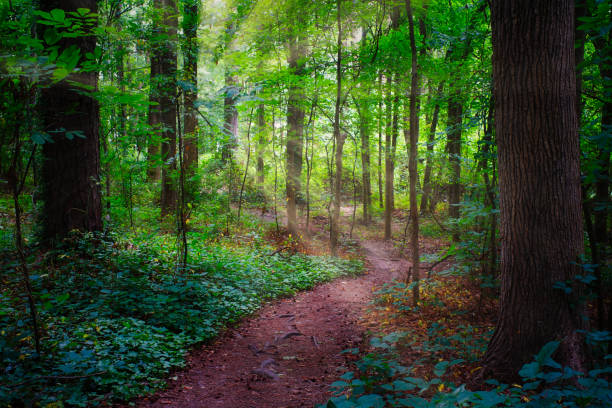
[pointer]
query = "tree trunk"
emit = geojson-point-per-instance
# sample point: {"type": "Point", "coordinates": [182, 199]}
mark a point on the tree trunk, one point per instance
{"type": "Point", "coordinates": [166, 58]}
{"type": "Point", "coordinates": [261, 143]}
{"type": "Point", "coordinates": [191, 20]}
{"type": "Point", "coordinates": [388, 161]}
{"type": "Point", "coordinates": [71, 165]}
{"type": "Point", "coordinates": [413, 142]}
{"type": "Point", "coordinates": [230, 116]}
{"type": "Point", "coordinates": [295, 130]}
{"type": "Point", "coordinates": [455, 125]}
{"type": "Point", "coordinates": [431, 140]}
{"type": "Point", "coordinates": [539, 179]}
{"type": "Point", "coordinates": [380, 151]}
{"type": "Point", "coordinates": [339, 138]}
{"type": "Point", "coordinates": [364, 135]}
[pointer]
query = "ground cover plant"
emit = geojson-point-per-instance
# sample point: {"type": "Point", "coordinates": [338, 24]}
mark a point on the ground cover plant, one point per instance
{"type": "Point", "coordinates": [117, 316]}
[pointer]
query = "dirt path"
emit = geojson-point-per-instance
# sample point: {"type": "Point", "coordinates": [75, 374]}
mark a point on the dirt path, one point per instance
{"type": "Point", "coordinates": [289, 353]}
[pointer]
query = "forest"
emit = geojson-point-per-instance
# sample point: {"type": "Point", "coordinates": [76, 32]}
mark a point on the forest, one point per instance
{"type": "Point", "coordinates": [305, 203]}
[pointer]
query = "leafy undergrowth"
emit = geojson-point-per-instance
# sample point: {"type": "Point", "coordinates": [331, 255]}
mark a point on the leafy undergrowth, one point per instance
{"type": "Point", "coordinates": [454, 321]}
{"type": "Point", "coordinates": [433, 364]}
{"type": "Point", "coordinates": [117, 316]}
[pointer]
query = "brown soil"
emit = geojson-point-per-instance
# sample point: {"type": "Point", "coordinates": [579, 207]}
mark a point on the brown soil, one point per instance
{"type": "Point", "coordinates": [289, 353]}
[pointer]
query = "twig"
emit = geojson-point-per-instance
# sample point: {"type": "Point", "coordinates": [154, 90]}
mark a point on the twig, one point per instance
{"type": "Point", "coordinates": [439, 261]}
{"type": "Point", "coordinates": [314, 341]}
{"type": "Point", "coordinates": [438, 222]}
{"type": "Point", "coordinates": [278, 251]}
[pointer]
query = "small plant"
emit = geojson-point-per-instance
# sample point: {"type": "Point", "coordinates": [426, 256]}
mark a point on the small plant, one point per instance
{"type": "Point", "coordinates": [381, 381]}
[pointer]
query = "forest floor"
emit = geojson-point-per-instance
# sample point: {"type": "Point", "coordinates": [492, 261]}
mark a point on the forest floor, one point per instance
{"type": "Point", "coordinates": [291, 350]}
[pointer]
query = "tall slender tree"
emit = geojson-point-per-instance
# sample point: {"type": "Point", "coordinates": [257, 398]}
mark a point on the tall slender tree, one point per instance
{"type": "Point", "coordinates": [339, 138]}
{"type": "Point", "coordinates": [412, 140]}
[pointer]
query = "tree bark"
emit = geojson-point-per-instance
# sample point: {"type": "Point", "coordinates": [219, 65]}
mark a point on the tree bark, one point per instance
{"type": "Point", "coordinates": [389, 150]}
{"type": "Point", "coordinates": [413, 142]}
{"type": "Point", "coordinates": [425, 198]}
{"type": "Point", "coordinates": [339, 138]}
{"type": "Point", "coordinates": [230, 116]}
{"type": "Point", "coordinates": [295, 129]}
{"type": "Point", "coordinates": [167, 61]}
{"type": "Point", "coordinates": [191, 20]}
{"type": "Point", "coordinates": [261, 143]}
{"type": "Point", "coordinates": [364, 135]}
{"type": "Point", "coordinates": [455, 125]}
{"type": "Point", "coordinates": [539, 179]}
{"type": "Point", "coordinates": [380, 150]}
{"type": "Point", "coordinates": [71, 165]}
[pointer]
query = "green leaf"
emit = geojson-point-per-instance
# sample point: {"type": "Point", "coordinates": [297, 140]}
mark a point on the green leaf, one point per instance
{"type": "Point", "coordinates": [400, 385]}
{"type": "Point", "coordinates": [440, 368]}
{"type": "Point", "coordinates": [58, 15]}
{"type": "Point", "coordinates": [70, 134]}
{"type": "Point", "coordinates": [530, 370]}
{"type": "Point", "coordinates": [82, 11]}
{"type": "Point", "coordinates": [41, 138]}
{"type": "Point", "coordinates": [51, 36]}
{"type": "Point", "coordinates": [371, 401]}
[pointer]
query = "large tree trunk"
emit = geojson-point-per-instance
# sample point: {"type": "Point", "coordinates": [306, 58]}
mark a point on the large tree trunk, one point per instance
{"type": "Point", "coordinates": [191, 20]}
{"type": "Point", "coordinates": [71, 165]}
{"type": "Point", "coordinates": [539, 179]}
{"type": "Point", "coordinates": [167, 61]}
{"type": "Point", "coordinates": [295, 130]}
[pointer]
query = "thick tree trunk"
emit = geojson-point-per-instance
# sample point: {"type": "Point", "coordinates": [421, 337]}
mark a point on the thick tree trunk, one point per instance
{"type": "Point", "coordinates": [71, 165]}
{"type": "Point", "coordinates": [191, 20]}
{"type": "Point", "coordinates": [539, 179]}
{"type": "Point", "coordinates": [295, 131]}
{"type": "Point", "coordinates": [166, 58]}
{"type": "Point", "coordinates": [431, 139]}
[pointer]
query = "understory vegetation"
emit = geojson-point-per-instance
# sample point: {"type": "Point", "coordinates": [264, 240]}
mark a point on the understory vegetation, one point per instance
{"type": "Point", "coordinates": [117, 316]}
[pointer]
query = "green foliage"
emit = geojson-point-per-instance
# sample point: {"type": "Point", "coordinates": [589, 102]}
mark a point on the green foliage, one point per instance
{"type": "Point", "coordinates": [118, 317]}
{"type": "Point", "coordinates": [381, 381]}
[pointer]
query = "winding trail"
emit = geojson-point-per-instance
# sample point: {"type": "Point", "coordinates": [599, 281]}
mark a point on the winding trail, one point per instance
{"type": "Point", "coordinates": [287, 354]}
